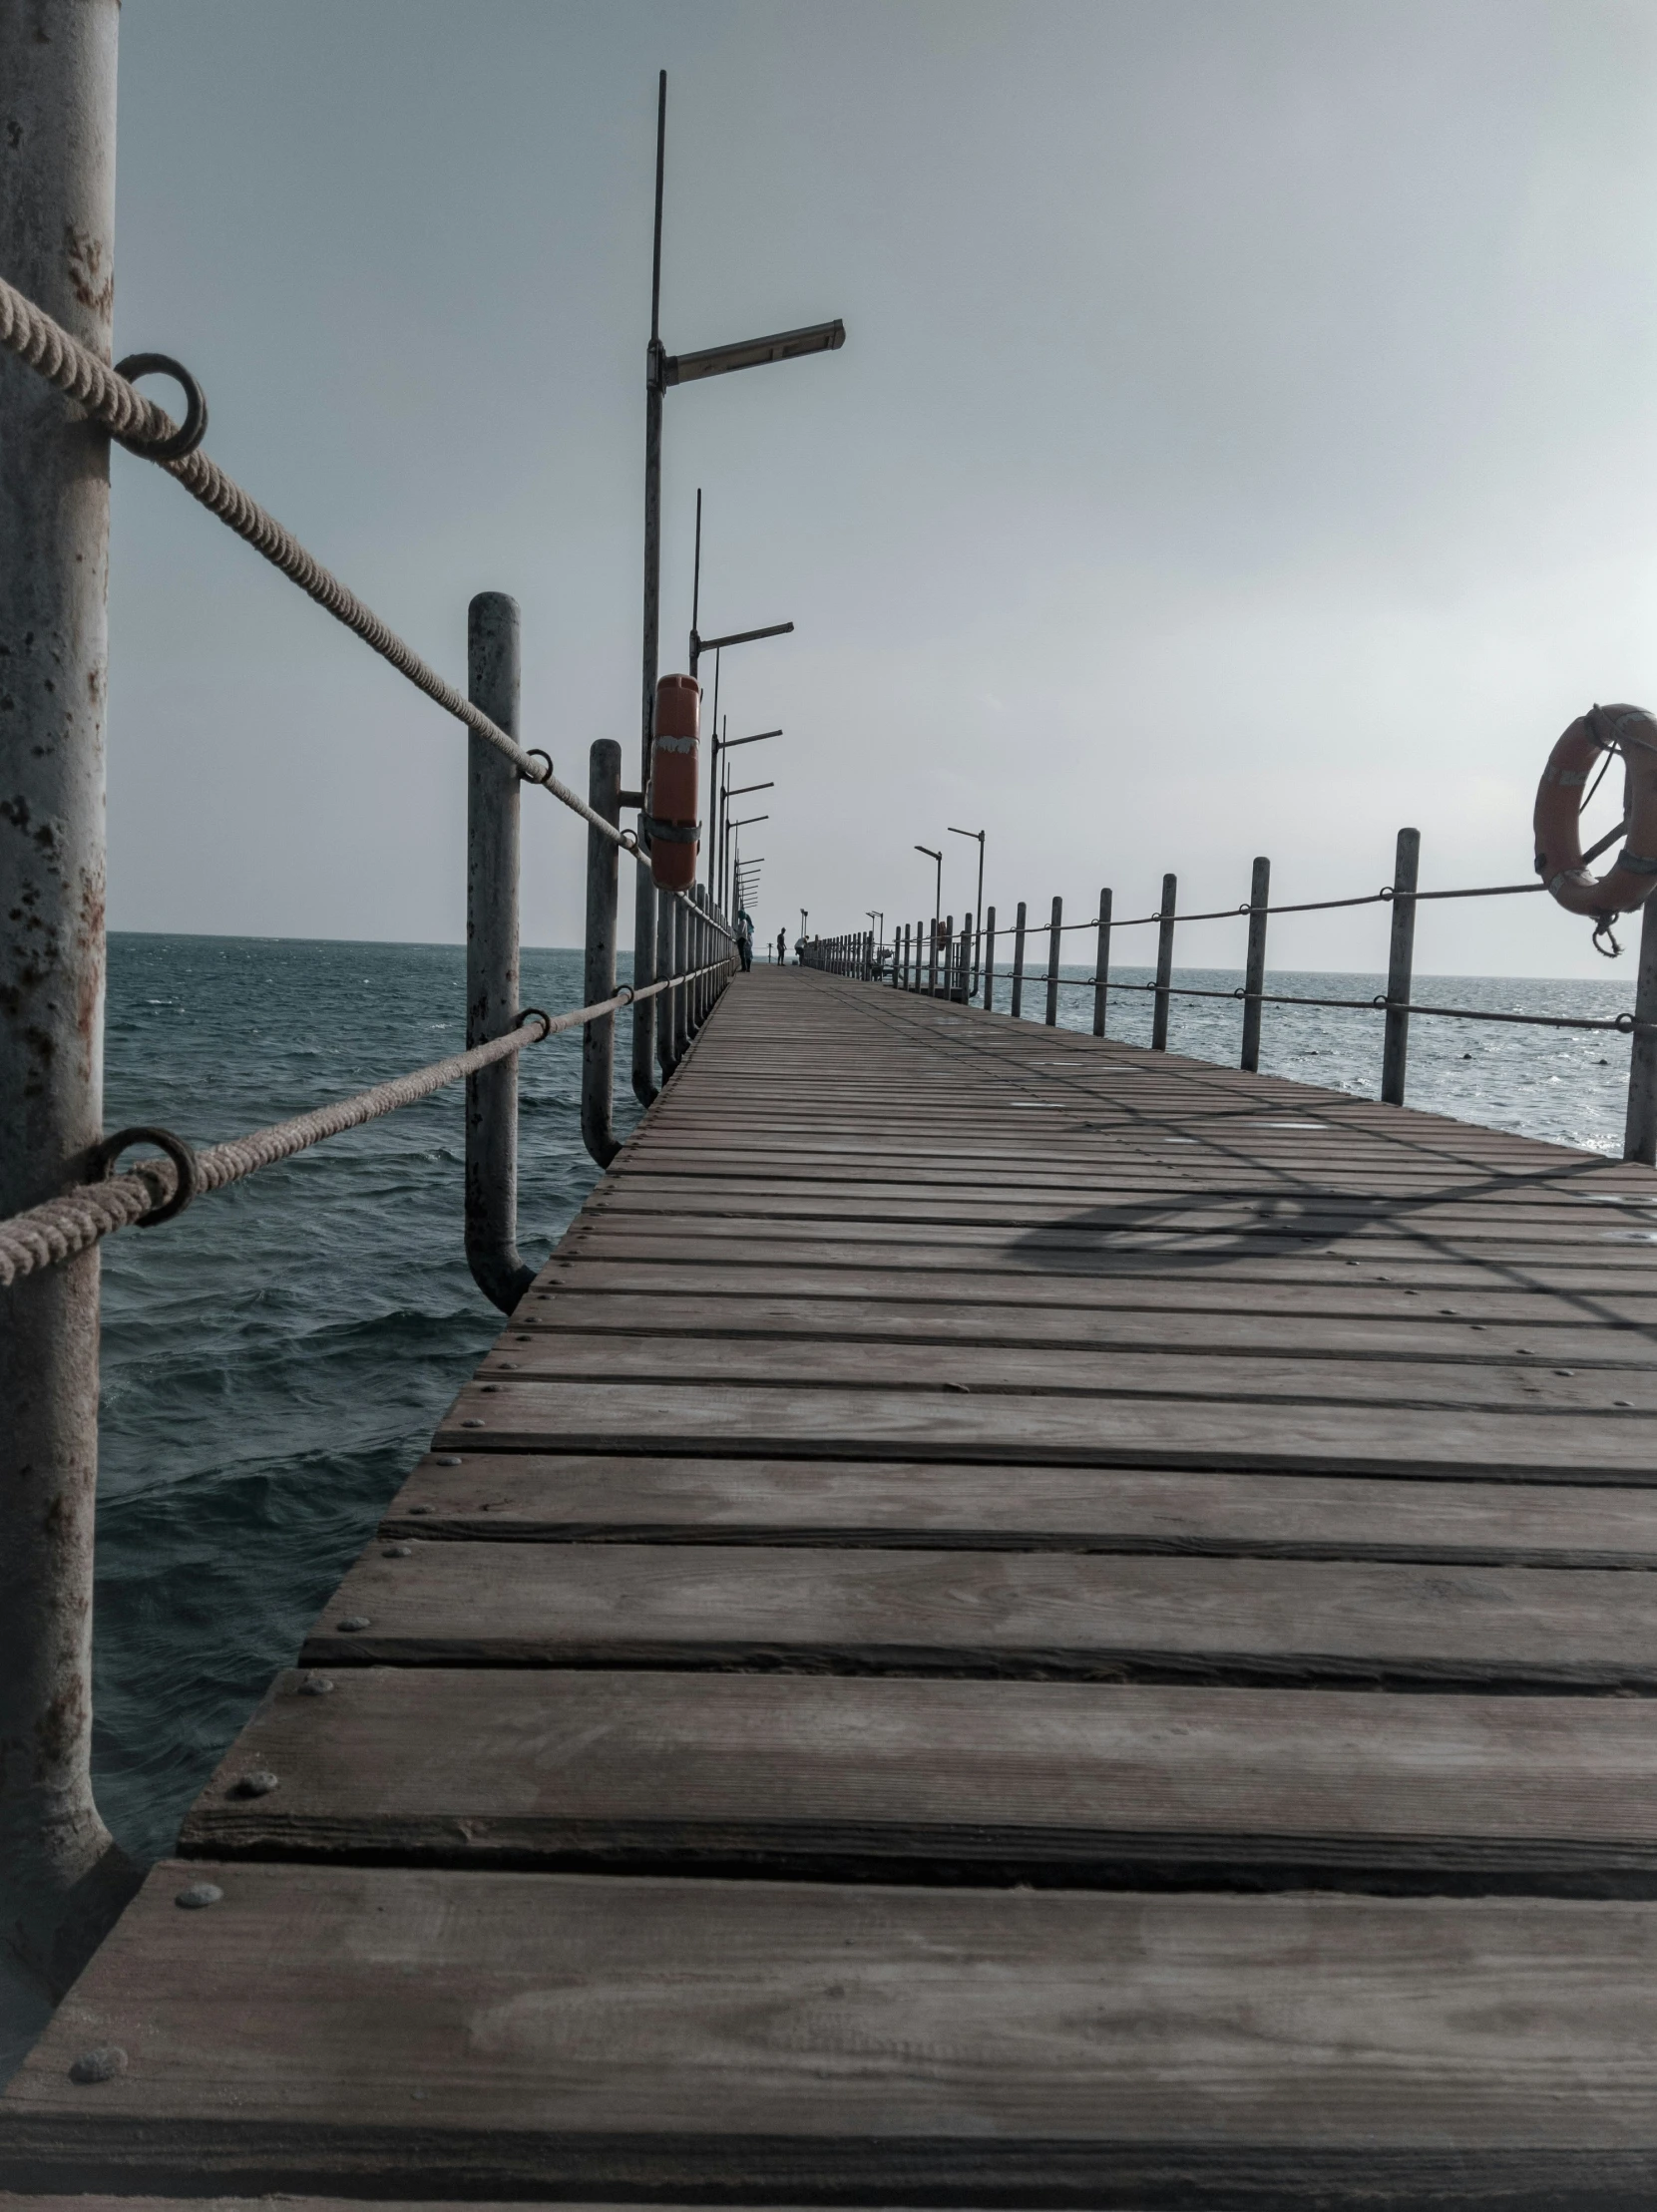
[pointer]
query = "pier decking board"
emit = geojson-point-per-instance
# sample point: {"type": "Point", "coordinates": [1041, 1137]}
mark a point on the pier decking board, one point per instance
{"type": "Point", "coordinates": [1008, 1623]}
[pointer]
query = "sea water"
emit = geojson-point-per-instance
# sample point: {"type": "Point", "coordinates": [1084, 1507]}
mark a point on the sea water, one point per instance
{"type": "Point", "coordinates": [274, 1359]}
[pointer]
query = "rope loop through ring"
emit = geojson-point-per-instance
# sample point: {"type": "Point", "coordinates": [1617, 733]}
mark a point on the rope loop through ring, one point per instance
{"type": "Point", "coordinates": [629, 840]}
{"type": "Point", "coordinates": [1380, 999]}
{"type": "Point", "coordinates": [625, 993]}
{"type": "Point", "coordinates": [535, 1013]}
{"type": "Point", "coordinates": [1602, 928]}
{"type": "Point", "coordinates": [105, 1155]}
{"type": "Point", "coordinates": [534, 752]}
{"type": "Point", "coordinates": [1624, 1022]}
{"type": "Point", "coordinates": [196, 406]}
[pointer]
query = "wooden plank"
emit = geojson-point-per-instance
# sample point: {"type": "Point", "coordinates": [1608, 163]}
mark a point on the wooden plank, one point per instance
{"type": "Point", "coordinates": [432, 2032]}
{"type": "Point", "coordinates": [1606, 1392]}
{"type": "Point", "coordinates": [1414, 1331]}
{"type": "Point", "coordinates": [964, 1424]}
{"type": "Point", "coordinates": [580, 1498]}
{"type": "Point", "coordinates": [1100, 1616]}
{"type": "Point", "coordinates": [1037, 1781]}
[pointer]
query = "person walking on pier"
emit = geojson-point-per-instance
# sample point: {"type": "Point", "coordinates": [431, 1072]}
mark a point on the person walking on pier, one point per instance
{"type": "Point", "coordinates": [782, 948]}
{"type": "Point", "coordinates": [744, 938]}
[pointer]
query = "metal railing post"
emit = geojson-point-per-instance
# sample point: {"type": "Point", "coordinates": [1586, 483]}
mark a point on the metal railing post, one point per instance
{"type": "Point", "coordinates": [492, 992]}
{"type": "Point", "coordinates": [663, 969]}
{"type": "Point", "coordinates": [682, 967]}
{"type": "Point", "coordinates": [967, 961]}
{"type": "Point", "coordinates": [932, 959]}
{"type": "Point", "coordinates": [1254, 971]}
{"type": "Point", "coordinates": [1394, 1047]}
{"type": "Point", "coordinates": [1054, 947]}
{"type": "Point", "coordinates": [1018, 1007]}
{"type": "Point", "coordinates": [62, 1880]}
{"type": "Point", "coordinates": [603, 795]}
{"type": "Point", "coordinates": [1164, 963]}
{"type": "Point", "coordinates": [645, 925]}
{"type": "Point", "coordinates": [1101, 965]}
{"type": "Point", "coordinates": [990, 961]}
{"type": "Point", "coordinates": [1639, 1140]}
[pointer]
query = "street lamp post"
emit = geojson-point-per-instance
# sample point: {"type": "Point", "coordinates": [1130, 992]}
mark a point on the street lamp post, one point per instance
{"type": "Point", "coordinates": [730, 745]}
{"type": "Point", "coordinates": [977, 910]}
{"type": "Point", "coordinates": [938, 880]}
{"type": "Point", "coordinates": [661, 371]}
{"type": "Point", "coordinates": [717, 646]}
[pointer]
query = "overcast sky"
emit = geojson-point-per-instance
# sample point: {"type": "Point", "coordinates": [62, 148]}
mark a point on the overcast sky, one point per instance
{"type": "Point", "coordinates": [1245, 439]}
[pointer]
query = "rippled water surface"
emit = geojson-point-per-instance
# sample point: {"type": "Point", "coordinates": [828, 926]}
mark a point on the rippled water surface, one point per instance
{"type": "Point", "coordinates": [275, 1359]}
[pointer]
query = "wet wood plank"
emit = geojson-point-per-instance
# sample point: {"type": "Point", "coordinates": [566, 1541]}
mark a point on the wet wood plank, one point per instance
{"type": "Point", "coordinates": [434, 2032]}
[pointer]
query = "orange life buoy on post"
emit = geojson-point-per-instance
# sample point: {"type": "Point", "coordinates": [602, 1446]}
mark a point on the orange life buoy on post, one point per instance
{"type": "Point", "coordinates": [670, 823]}
{"type": "Point", "coordinates": [1632, 732]}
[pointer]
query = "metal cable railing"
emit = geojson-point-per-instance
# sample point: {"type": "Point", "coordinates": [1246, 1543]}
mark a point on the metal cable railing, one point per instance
{"type": "Point", "coordinates": [112, 400]}
{"type": "Point", "coordinates": [159, 1190]}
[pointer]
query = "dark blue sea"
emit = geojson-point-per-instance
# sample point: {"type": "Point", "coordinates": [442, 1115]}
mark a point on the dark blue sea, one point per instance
{"type": "Point", "coordinates": [275, 1359]}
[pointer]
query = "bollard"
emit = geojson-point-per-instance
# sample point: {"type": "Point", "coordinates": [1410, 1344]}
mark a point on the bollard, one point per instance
{"type": "Point", "coordinates": [1101, 965]}
{"type": "Point", "coordinates": [1254, 972]}
{"type": "Point", "coordinates": [988, 961]}
{"type": "Point", "coordinates": [1395, 1046]}
{"type": "Point", "coordinates": [493, 999]}
{"type": "Point", "coordinates": [1018, 1007]}
{"type": "Point", "coordinates": [61, 1878]}
{"type": "Point", "coordinates": [1054, 947]}
{"type": "Point", "coordinates": [603, 795]}
{"type": "Point", "coordinates": [1164, 965]}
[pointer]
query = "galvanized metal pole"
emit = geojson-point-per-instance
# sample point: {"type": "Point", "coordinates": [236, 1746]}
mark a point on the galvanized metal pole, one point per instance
{"type": "Point", "coordinates": [1164, 965]}
{"type": "Point", "coordinates": [62, 1880]}
{"type": "Point", "coordinates": [1394, 1048]}
{"type": "Point", "coordinates": [492, 992]}
{"type": "Point", "coordinates": [990, 961]}
{"type": "Point", "coordinates": [1640, 1129]}
{"type": "Point", "coordinates": [646, 922]}
{"type": "Point", "coordinates": [1054, 945]}
{"type": "Point", "coordinates": [603, 795]}
{"type": "Point", "coordinates": [1017, 1005]}
{"type": "Point", "coordinates": [681, 991]}
{"type": "Point", "coordinates": [1101, 965]}
{"type": "Point", "coordinates": [1254, 972]}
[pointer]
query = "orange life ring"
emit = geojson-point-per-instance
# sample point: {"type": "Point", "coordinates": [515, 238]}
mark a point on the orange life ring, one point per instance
{"type": "Point", "coordinates": [1632, 732]}
{"type": "Point", "coordinates": [670, 802]}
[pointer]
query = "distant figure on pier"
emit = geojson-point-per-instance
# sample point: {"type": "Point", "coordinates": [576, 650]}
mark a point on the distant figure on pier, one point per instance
{"type": "Point", "coordinates": [782, 948]}
{"type": "Point", "coordinates": [745, 938]}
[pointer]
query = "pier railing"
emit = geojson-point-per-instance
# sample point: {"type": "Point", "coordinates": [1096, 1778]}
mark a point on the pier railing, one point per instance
{"type": "Point", "coordinates": [63, 1186]}
{"type": "Point", "coordinates": [932, 956]}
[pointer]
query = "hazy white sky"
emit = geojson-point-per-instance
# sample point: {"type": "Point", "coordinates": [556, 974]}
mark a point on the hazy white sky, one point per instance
{"type": "Point", "coordinates": [1245, 439]}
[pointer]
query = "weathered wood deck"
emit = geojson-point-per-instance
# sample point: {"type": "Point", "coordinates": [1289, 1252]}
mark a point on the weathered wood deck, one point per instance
{"type": "Point", "coordinates": [1012, 1621]}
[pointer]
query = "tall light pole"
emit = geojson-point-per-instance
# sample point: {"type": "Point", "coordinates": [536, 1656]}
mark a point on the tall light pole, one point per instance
{"type": "Point", "coordinates": [717, 646]}
{"type": "Point", "coordinates": [725, 744]}
{"type": "Point", "coordinates": [662, 370]}
{"type": "Point", "coordinates": [977, 910]}
{"type": "Point", "coordinates": [742, 792]}
{"type": "Point", "coordinates": [938, 882]}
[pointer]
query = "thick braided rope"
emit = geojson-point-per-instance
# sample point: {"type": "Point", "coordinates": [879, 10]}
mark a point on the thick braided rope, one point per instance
{"type": "Point", "coordinates": [47, 1235]}
{"type": "Point", "coordinates": [77, 372]}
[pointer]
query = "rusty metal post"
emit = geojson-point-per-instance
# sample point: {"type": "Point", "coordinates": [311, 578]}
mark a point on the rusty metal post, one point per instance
{"type": "Point", "coordinates": [990, 961]}
{"type": "Point", "coordinates": [1639, 1141]}
{"type": "Point", "coordinates": [603, 795]}
{"type": "Point", "coordinates": [1164, 965]}
{"type": "Point", "coordinates": [1101, 965]}
{"type": "Point", "coordinates": [1395, 1046]}
{"type": "Point", "coordinates": [1017, 1005]}
{"type": "Point", "coordinates": [1053, 929]}
{"type": "Point", "coordinates": [1254, 973]}
{"type": "Point", "coordinates": [62, 1880]}
{"type": "Point", "coordinates": [492, 992]}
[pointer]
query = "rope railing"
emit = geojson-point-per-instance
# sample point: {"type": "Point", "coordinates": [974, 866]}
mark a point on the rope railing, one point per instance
{"type": "Point", "coordinates": [137, 423]}
{"type": "Point", "coordinates": [47, 1235]}
{"type": "Point", "coordinates": [1625, 1025]}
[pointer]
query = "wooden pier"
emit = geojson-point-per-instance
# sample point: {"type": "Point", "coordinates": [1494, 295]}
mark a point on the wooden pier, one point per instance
{"type": "Point", "coordinates": [1013, 1621]}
